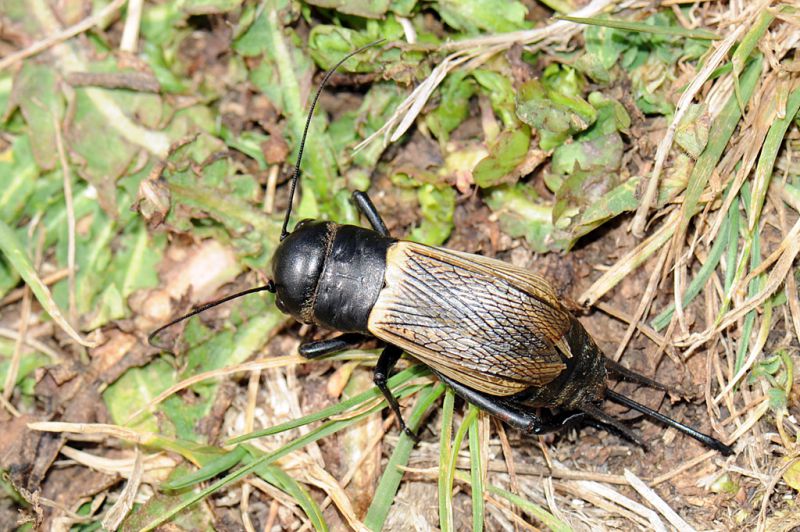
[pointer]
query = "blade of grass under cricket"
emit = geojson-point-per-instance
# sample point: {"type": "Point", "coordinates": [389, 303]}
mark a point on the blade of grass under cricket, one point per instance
{"type": "Point", "coordinates": [392, 475]}
{"type": "Point", "coordinates": [226, 462]}
{"type": "Point", "coordinates": [210, 470]}
{"type": "Point", "coordinates": [281, 480]}
{"type": "Point", "coordinates": [476, 472]}
{"type": "Point", "coordinates": [394, 382]}
{"type": "Point", "coordinates": [446, 483]}
{"type": "Point", "coordinates": [326, 429]}
{"type": "Point", "coordinates": [445, 452]}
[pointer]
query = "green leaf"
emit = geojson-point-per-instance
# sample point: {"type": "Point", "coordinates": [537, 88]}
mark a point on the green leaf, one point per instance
{"type": "Point", "coordinates": [329, 44]}
{"type": "Point", "coordinates": [605, 45]}
{"type": "Point", "coordinates": [437, 205]}
{"type": "Point", "coordinates": [29, 362]}
{"type": "Point", "coordinates": [501, 94]}
{"type": "Point", "coordinates": [453, 108]}
{"type": "Point", "coordinates": [36, 93]}
{"type": "Point", "coordinates": [135, 389]}
{"type": "Point", "coordinates": [620, 199]}
{"type": "Point", "coordinates": [492, 16]}
{"type": "Point", "coordinates": [505, 154]}
{"type": "Point", "coordinates": [692, 131]}
{"type": "Point", "coordinates": [359, 8]}
{"type": "Point", "coordinates": [522, 213]}
{"type": "Point", "coordinates": [18, 176]}
{"type": "Point", "coordinates": [555, 114]}
{"type": "Point", "coordinates": [354, 126]}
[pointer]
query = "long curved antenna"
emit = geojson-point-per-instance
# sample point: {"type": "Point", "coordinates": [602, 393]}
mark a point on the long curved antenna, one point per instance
{"type": "Point", "coordinates": [151, 339]}
{"type": "Point", "coordinates": [296, 175]}
{"type": "Point", "coordinates": [689, 431]}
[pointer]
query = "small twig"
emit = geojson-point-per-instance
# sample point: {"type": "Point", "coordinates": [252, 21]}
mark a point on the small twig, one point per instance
{"type": "Point", "coordinates": [658, 503]}
{"type": "Point", "coordinates": [117, 513]}
{"type": "Point", "coordinates": [508, 457]}
{"type": "Point", "coordinates": [705, 457]}
{"type": "Point", "coordinates": [249, 423]}
{"type": "Point", "coordinates": [272, 183]}
{"type": "Point", "coordinates": [623, 316]}
{"type": "Point", "coordinates": [63, 35]}
{"type": "Point", "coordinates": [32, 342]}
{"type": "Point", "coordinates": [13, 365]}
{"type": "Point", "coordinates": [68, 199]}
{"type": "Point", "coordinates": [130, 34]}
{"type": "Point", "coordinates": [508, 509]}
{"type": "Point", "coordinates": [24, 319]}
{"type": "Point", "coordinates": [644, 303]}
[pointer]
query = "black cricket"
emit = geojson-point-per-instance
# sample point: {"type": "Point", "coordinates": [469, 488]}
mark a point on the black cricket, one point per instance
{"type": "Point", "coordinates": [496, 334]}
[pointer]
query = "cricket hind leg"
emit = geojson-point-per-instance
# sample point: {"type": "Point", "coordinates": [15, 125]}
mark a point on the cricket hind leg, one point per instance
{"type": "Point", "coordinates": [514, 414]}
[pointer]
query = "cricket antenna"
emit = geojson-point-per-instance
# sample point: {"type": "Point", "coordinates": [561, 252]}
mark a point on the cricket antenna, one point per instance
{"type": "Point", "coordinates": [689, 431]}
{"type": "Point", "coordinates": [151, 338]}
{"type": "Point", "coordinates": [296, 175]}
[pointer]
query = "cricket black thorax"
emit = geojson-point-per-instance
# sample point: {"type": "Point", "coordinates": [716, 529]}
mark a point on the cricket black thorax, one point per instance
{"type": "Point", "coordinates": [330, 274]}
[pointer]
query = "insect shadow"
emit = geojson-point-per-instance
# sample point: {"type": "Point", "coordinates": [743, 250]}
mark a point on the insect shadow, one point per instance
{"type": "Point", "coordinates": [497, 334]}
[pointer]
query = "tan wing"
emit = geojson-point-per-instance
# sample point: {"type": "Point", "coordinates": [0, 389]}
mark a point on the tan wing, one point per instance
{"type": "Point", "coordinates": [492, 326]}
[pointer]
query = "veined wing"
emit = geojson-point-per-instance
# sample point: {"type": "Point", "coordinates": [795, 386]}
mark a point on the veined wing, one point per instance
{"type": "Point", "coordinates": [495, 327]}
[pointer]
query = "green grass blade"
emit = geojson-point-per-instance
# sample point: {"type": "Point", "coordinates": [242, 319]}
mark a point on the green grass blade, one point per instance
{"type": "Point", "coordinates": [390, 480]}
{"type": "Point", "coordinates": [16, 254]}
{"type": "Point", "coordinates": [766, 160]}
{"type": "Point", "coordinates": [394, 382]}
{"type": "Point", "coordinates": [745, 48]}
{"type": "Point", "coordinates": [700, 280]}
{"type": "Point", "coordinates": [450, 467]}
{"type": "Point", "coordinates": [445, 453]}
{"type": "Point", "coordinates": [476, 472]}
{"type": "Point", "coordinates": [733, 245]}
{"type": "Point", "coordinates": [210, 470]}
{"type": "Point", "coordinates": [642, 27]}
{"type": "Point", "coordinates": [754, 286]}
{"type": "Point", "coordinates": [326, 429]}
{"type": "Point", "coordinates": [281, 480]}
{"type": "Point", "coordinates": [721, 131]}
